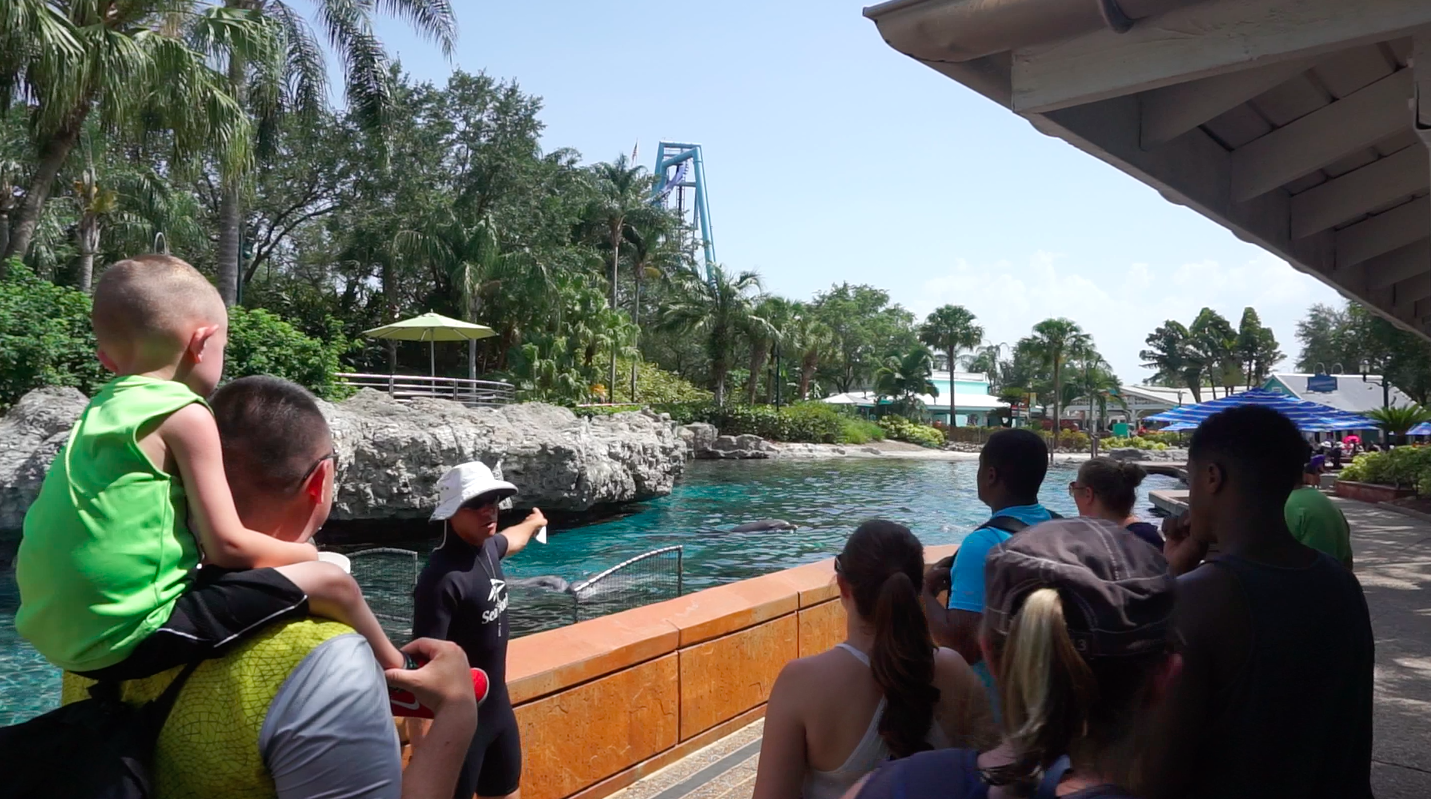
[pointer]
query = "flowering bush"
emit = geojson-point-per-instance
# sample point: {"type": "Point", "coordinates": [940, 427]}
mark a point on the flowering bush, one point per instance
{"type": "Point", "coordinates": [901, 429]}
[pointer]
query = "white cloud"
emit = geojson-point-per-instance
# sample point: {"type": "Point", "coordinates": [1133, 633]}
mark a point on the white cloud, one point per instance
{"type": "Point", "coordinates": [1122, 306]}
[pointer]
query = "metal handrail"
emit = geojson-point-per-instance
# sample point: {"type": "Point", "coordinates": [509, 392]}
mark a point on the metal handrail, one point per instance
{"type": "Point", "coordinates": [472, 393]}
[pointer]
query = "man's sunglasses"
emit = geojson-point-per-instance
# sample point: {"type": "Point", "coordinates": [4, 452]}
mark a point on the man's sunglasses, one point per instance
{"type": "Point", "coordinates": [332, 456]}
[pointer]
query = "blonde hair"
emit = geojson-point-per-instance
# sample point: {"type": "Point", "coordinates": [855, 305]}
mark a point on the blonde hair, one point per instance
{"type": "Point", "coordinates": [1056, 703]}
{"type": "Point", "coordinates": [153, 302]}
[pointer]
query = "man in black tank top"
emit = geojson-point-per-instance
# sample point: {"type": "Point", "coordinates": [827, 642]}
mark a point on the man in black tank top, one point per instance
{"type": "Point", "coordinates": [1275, 698]}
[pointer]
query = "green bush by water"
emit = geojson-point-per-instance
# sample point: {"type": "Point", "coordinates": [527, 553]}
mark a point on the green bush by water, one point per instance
{"type": "Point", "coordinates": [810, 422]}
{"type": "Point", "coordinates": [901, 429]}
{"type": "Point", "coordinates": [46, 340]}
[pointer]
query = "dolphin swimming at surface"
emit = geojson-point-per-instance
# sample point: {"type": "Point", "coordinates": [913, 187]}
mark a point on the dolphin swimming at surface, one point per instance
{"type": "Point", "coordinates": [763, 525]}
{"type": "Point", "coordinates": [547, 581]}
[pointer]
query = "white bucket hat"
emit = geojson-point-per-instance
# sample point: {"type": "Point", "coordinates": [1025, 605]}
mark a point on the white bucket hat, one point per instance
{"type": "Point", "coordinates": [465, 483]}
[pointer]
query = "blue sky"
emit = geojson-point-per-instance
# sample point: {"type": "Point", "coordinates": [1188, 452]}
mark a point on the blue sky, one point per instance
{"type": "Point", "coordinates": [831, 157]}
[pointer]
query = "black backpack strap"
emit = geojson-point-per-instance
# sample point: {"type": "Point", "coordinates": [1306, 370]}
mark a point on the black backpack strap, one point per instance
{"type": "Point", "coordinates": [157, 710]}
{"type": "Point", "coordinates": [1008, 524]}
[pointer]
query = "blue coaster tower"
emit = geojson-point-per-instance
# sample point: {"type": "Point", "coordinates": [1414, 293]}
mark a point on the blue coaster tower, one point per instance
{"type": "Point", "coordinates": [681, 184]}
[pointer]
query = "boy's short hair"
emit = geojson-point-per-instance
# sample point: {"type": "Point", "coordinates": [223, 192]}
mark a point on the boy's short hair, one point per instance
{"type": "Point", "coordinates": [151, 298]}
{"type": "Point", "coordinates": [1261, 449]}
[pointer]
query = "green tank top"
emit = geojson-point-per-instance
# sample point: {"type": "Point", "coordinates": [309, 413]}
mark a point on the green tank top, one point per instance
{"type": "Point", "coordinates": [106, 550]}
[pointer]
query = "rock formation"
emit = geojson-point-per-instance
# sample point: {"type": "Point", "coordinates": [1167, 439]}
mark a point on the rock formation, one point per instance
{"type": "Point", "coordinates": [390, 455]}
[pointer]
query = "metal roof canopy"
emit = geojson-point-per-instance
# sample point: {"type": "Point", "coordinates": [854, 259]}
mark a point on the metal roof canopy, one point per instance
{"type": "Point", "coordinates": [1300, 125]}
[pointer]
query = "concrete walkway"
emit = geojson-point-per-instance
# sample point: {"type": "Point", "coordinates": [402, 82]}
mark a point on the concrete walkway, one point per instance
{"type": "Point", "coordinates": [1393, 562]}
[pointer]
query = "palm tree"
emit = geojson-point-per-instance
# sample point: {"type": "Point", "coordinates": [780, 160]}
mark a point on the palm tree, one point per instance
{"type": "Point", "coordinates": [951, 329]}
{"type": "Point", "coordinates": [623, 196]}
{"type": "Point", "coordinates": [139, 72]}
{"type": "Point", "coordinates": [656, 252]}
{"type": "Point", "coordinates": [1055, 341]}
{"type": "Point", "coordinates": [94, 202]}
{"type": "Point", "coordinates": [904, 377]}
{"type": "Point", "coordinates": [809, 339]}
{"type": "Point", "coordinates": [764, 333]}
{"type": "Point", "coordinates": [1171, 354]}
{"type": "Point", "coordinates": [1395, 420]}
{"type": "Point", "coordinates": [716, 309]}
{"type": "Point", "coordinates": [294, 78]}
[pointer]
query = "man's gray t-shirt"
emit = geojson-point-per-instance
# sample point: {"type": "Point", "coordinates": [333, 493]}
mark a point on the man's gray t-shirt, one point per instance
{"type": "Point", "coordinates": [329, 732]}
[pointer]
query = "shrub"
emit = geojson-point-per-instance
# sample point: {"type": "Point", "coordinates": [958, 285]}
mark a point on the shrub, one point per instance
{"type": "Point", "coordinates": [261, 343]}
{"type": "Point", "coordinates": [901, 429]}
{"type": "Point", "coordinates": [1403, 467]}
{"type": "Point", "coordinates": [45, 337]}
{"type": "Point", "coordinates": [656, 386]}
{"type": "Point", "coordinates": [859, 431]}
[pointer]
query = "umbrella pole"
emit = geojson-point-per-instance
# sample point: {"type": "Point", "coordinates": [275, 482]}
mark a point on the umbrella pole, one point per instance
{"type": "Point", "coordinates": [432, 358]}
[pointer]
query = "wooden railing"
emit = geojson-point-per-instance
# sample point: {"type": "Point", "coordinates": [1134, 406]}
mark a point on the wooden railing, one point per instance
{"type": "Point", "coordinates": [404, 388]}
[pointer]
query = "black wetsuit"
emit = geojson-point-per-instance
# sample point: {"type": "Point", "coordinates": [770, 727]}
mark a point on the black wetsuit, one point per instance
{"type": "Point", "coordinates": [462, 597]}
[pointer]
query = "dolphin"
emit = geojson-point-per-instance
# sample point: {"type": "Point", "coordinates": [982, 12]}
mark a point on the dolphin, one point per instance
{"type": "Point", "coordinates": [764, 525]}
{"type": "Point", "coordinates": [547, 581]}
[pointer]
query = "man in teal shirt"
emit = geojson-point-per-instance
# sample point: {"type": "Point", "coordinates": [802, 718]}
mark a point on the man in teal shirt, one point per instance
{"type": "Point", "coordinates": [1011, 471]}
{"type": "Point", "coordinates": [1317, 522]}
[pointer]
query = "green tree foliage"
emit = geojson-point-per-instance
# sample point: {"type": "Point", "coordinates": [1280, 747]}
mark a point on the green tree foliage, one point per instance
{"type": "Point", "coordinates": [863, 327]}
{"type": "Point", "coordinates": [951, 329]}
{"type": "Point", "coordinates": [1053, 343]}
{"type": "Point", "coordinates": [1212, 345]}
{"type": "Point", "coordinates": [904, 377]}
{"type": "Point", "coordinates": [716, 310]}
{"type": "Point", "coordinates": [46, 340]}
{"type": "Point", "coordinates": [1397, 419]}
{"type": "Point", "coordinates": [1357, 339]}
{"type": "Point", "coordinates": [45, 337]}
{"type": "Point", "coordinates": [261, 343]}
{"type": "Point", "coordinates": [1256, 348]}
{"type": "Point", "coordinates": [141, 69]}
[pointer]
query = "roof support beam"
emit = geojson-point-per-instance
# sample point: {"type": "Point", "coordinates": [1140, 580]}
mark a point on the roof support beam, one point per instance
{"type": "Point", "coordinates": [1357, 121]}
{"type": "Point", "coordinates": [1347, 197]}
{"type": "Point", "coordinates": [1171, 111]}
{"type": "Point", "coordinates": [1199, 41]}
{"type": "Point", "coordinates": [1421, 62]}
{"type": "Point", "coordinates": [1384, 233]}
{"type": "Point", "coordinates": [1401, 264]}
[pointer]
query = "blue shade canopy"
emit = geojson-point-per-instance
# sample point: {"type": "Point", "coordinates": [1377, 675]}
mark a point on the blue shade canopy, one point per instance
{"type": "Point", "coordinates": [1423, 429]}
{"type": "Point", "coordinates": [1308, 416]}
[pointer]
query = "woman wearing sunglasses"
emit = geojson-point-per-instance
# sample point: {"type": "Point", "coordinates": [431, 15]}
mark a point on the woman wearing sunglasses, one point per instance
{"type": "Point", "coordinates": [885, 692]}
{"type": "Point", "coordinates": [1107, 489]}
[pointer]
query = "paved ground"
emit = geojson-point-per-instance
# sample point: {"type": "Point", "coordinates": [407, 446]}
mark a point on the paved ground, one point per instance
{"type": "Point", "coordinates": [1393, 561]}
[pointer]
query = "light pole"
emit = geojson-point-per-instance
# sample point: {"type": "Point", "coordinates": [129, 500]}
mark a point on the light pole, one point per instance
{"type": "Point", "coordinates": [1381, 381]}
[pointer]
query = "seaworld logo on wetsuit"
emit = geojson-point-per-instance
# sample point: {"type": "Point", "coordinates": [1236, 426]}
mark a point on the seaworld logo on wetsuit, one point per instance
{"type": "Point", "coordinates": [499, 595]}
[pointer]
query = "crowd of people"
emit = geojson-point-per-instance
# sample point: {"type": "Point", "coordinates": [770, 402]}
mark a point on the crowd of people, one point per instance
{"type": "Point", "coordinates": [1228, 654]}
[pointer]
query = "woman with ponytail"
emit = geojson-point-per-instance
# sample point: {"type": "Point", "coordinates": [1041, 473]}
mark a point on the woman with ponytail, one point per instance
{"type": "Point", "coordinates": [1076, 632]}
{"type": "Point", "coordinates": [885, 692]}
{"type": "Point", "coordinates": [1107, 489]}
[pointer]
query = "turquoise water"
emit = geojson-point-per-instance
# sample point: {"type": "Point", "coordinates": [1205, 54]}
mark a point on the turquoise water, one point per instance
{"type": "Point", "coordinates": [827, 499]}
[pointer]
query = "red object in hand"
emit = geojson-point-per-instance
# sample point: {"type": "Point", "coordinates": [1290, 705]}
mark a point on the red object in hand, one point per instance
{"type": "Point", "coordinates": [405, 704]}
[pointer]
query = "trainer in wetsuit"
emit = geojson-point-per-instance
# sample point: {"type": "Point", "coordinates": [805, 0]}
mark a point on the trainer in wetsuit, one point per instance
{"type": "Point", "coordinates": [462, 597]}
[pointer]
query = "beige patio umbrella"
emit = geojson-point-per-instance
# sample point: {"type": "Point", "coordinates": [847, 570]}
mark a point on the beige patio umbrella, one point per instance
{"type": "Point", "coordinates": [431, 327]}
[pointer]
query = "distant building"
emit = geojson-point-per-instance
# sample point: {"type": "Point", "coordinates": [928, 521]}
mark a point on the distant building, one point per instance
{"type": "Point", "coordinates": [1350, 392]}
{"type": "Point", "coordinates": [972, 402]}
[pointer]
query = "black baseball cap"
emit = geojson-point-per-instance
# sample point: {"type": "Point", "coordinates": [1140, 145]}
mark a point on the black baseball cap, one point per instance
{"type": "Point", "coordinates": [1116, 590]}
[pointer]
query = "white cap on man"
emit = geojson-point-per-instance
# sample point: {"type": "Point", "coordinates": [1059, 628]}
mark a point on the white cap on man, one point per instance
{"type": "Point", "coordinates": [464, 483]}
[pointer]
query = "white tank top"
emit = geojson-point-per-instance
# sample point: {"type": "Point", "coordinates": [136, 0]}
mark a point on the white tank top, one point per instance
{"type": "Point", "coordinates": [868, 754]}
